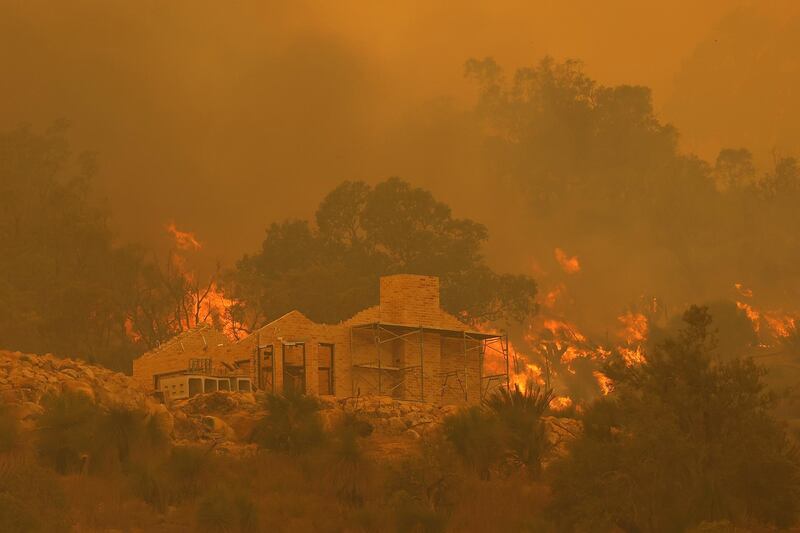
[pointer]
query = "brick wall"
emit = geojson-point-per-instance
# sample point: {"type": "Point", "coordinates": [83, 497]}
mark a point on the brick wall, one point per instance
{"type": "Point", "coordinates": [410, 299]}
{"type": "Point", "coordinates": [404, 299]}
{"type": "Point", "coordinates": [294, 327]}
{"type": "Point", "coordinates": [456, 366]}
{"type": "Point", "coordinates": [174, 355]}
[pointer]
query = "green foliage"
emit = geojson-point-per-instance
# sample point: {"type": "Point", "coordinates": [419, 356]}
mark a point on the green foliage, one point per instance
{"type": "Point", "coordinates": [520, 413]}
{"type": "Point", "coordinates": [683, 439]}
{"type": "Point", "coordinates": [59, 259]}
{"type": "Point", "coordinates": [362, 233]}
{"type": "Point", "coordinates": [292, 424]}
{"type": "Point", "coordinates": [507, 431]}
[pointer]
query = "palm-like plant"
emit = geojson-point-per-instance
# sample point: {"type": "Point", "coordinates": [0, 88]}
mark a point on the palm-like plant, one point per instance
{"type": "Point", "coordinates": [520, 414]}
{"type": "Point", "coordinates": [66, 430]}
{"type": "Point", "coordinates": [349, 466]}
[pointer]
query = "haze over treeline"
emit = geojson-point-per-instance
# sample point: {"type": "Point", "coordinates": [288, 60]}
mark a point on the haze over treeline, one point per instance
{"type": "Point", "coordinates": [256, 109]}
{"type": "Point", "coordinates": [663, 162]}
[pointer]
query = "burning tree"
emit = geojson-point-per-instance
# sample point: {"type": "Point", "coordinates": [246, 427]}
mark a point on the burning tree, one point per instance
{"type": "Point", "coordinates": [170, 298]}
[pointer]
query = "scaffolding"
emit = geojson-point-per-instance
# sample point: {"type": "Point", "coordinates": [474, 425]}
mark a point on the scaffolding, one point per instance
{"type": "Point", "coordinates": [389, 379]}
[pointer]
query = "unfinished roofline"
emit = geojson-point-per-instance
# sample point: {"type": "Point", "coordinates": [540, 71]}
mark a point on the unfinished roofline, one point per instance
{"type": "Point", "coordinates": [477, 335]}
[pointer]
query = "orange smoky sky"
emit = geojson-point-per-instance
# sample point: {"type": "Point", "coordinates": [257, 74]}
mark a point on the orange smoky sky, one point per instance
{"type": "Point", "coordinates": [225, 116]}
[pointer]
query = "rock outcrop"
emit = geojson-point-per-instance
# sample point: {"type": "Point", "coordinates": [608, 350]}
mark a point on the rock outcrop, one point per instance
{"type": "Point", "coordinates": [25, 379]}
{"type": "Point", "coordinates": [223, 420]}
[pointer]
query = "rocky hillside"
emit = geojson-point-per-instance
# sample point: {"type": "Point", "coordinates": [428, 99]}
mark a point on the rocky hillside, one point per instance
{"type": "Point", "coordinates": [25, 379]}
{"type": "Point", "coordinates": [220, 419]}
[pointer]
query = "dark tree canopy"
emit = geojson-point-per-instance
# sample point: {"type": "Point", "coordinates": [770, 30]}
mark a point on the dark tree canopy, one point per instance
{"type": "Point", "coordinates": [330, 270]}
{"type": "Point", "coordinates": [62, 282]}
{"type": "Point", "coordinates": [683, 439]}
{"type": "Point", "coordinates": [65, 286]}
{"type": "Point", "coordinates": [600, 174]}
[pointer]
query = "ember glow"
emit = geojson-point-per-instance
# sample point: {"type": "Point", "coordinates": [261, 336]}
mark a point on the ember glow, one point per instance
{"type": "Point", "coordinates": [570, 265]}
{"type": "Point", "coordinates": [184, 240]}
{"type": "Point", "coordinates": [605, 383]}
{"type": "Point", "coordinates": [769, 324]}
{"type": "Point", "coordinates": [205, 302]}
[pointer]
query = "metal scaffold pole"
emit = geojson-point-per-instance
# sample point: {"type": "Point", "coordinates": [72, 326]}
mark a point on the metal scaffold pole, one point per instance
{"type": "Point", "coordinates": [378, 351]}
{"type": "Point", "coordinates": [421, 364]}
{"type": "Point", "coordinates": [504, 344]}
{"type": "Point", "coordinates": [466, 365]}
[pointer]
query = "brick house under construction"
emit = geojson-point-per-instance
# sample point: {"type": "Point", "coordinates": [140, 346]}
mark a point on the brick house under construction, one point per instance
{"type": "Point", "coordinates": [406, 347]}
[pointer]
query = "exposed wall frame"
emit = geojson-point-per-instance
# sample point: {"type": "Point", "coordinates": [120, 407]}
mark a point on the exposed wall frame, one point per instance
{"type": "Point", "coordinates": [373, 373]}
{"type": "Point", "coordinates": [284, 367]}
{"type": "Point", "coordinates": [330, 388]}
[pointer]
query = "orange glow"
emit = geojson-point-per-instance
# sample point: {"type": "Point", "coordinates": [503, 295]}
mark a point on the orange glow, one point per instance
{"type": "Point", "coordinates": [184, 240]}
{"type": "Point", "coordinates": [634, 327]}
{"type": "Point", "coordinates": [553, 295]}
{"type": "Point", "coordinates": [131, 333]}
{"type": "Point", "coordinates": [559, 403]}
{"type": "Point", "coordinates": [604, 382]}
{"type": "Point", "coordinates": [767, 324]}
{"type": "Point", "coordinates": [781, 325]}
{"type": "Point", "coordinates": [208, 302]}
{"type": "Point", "coordinates": [570, 265]}
{"type": "Point", "coordinates": [752, 314]}
{"type": "Point", "coordinates": [747, 293]}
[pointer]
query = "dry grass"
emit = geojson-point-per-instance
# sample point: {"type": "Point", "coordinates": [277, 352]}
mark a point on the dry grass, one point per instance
{"type": "Point", "coordinates": [500, 505]}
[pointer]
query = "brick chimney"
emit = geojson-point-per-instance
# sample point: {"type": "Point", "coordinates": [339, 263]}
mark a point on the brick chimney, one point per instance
{"type": "Point", "coordinates": [410, 299]}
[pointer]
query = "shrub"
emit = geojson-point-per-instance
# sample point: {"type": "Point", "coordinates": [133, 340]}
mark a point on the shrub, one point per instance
{"type": "Point", "coordinates": [292, 424]}
{"type": "Point", "coordinates": [524, 433]}
{"type": "Point", "coordinates": [685, 438]}
{"type": "Point", "coordinates": [31, 499]}
{"type": "Point", "coordinates": [76, 434]}
{"type": "Point", "coordinates": [224, 510]}
{"type": "Point", "coordinates": [67, 431]}
{"type": "Point", "coordinates": [350, 469]}
{"type": "Point", "coordinates": [9, 429]}
{"type": "Point", "coordinates": [477, 437]}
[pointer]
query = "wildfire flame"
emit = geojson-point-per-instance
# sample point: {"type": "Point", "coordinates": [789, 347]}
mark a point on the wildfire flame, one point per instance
{"type": "Point", "coordinates": [747, 293]}
{"type": "Point", "coordinates": [184, 240]}
{"type": "Point", "coordinates": [194, 302]}
{"type": "Point", "coordinates": [570, 265]}
{"type": "Point", "coordinates": [634, 327]}
{"type": "Point", "coordinates": [553, 295]}
{"type": "Point", "coordinates": [559, 403]}
{"type": "Point", "coordinates": [770, 325]}
{"type": "Point", "coordinates": [604, 382]}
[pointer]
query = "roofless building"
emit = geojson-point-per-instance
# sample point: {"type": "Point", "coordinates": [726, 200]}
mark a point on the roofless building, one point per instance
{"type": "Point", "coordinates": [405, 347]}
